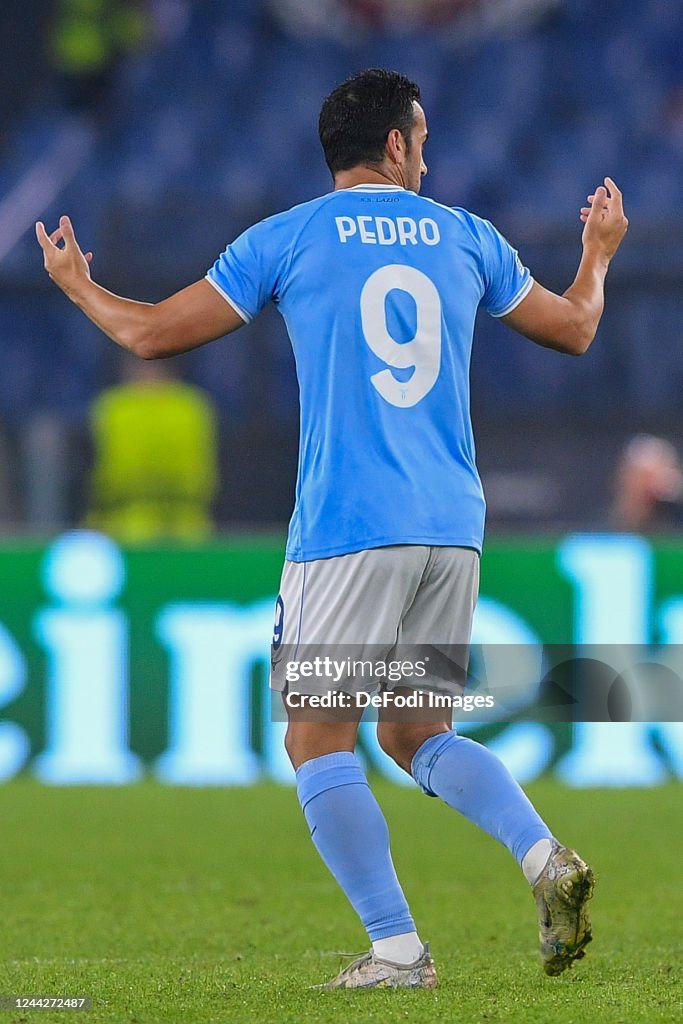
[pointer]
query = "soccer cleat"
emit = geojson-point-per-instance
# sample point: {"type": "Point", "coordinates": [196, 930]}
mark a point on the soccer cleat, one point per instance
{"type": "Point", "coordinates": [562, 891]}
{"type": "Point", "coordinates": [368, 971]}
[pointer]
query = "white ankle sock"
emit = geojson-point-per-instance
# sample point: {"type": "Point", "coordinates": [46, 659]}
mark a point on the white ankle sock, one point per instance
{"type": "Point", "coordinates": [535, 859]}
{"type": "Point", "coordinates": [399, 949]}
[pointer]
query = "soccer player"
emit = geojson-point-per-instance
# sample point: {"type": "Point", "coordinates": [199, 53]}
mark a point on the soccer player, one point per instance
{"type": "Point", "coordinates": [379, 289]}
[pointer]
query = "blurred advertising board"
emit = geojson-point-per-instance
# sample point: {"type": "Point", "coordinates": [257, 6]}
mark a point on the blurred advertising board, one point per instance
{"type": "Point", "coordinates": [115, 665]}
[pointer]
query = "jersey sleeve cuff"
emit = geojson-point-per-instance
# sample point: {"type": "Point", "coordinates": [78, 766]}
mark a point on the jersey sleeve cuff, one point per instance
{"type": "Point", "coordinates": [521, 294]}
{"type": "Point", "coordinates": [238, 309]}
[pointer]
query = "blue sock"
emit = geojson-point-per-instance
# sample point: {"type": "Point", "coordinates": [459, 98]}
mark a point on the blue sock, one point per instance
{"type": "Point", "coordinates": [473, 781]}
{"type": "Point", "coordinates": [351, 835]}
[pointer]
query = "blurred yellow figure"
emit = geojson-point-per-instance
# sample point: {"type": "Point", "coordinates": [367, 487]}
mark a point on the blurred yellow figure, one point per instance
{"type": "Point", "coordinates": [88, 39]}
{"type": "Point", "coordinates": [156, 458]}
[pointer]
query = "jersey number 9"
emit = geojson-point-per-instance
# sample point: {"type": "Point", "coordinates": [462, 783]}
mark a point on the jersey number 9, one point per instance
{"type": "Point", "coordinates": [423, 352]}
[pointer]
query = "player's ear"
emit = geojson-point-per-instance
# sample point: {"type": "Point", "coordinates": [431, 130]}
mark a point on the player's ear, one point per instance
{"type": "Point", "coordinates": [395, 144]}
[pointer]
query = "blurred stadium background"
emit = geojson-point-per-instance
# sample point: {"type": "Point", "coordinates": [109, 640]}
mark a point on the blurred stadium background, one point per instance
{"type": "Point", "coordinates": [165, 127]}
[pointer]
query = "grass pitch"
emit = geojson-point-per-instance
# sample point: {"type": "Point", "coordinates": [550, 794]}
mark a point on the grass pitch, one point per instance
{"type": "Point", "coordinates": [167, 905]}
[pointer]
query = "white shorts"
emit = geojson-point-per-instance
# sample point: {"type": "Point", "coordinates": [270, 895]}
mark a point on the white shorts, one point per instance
{"type": "Point", "coordinates": [369, 610]}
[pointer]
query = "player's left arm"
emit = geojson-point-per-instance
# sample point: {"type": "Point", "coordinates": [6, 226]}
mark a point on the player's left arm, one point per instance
{"type": "Point", "coordinates": [186, 320]}
{"type": "Point", "coordinates": [568, 322]}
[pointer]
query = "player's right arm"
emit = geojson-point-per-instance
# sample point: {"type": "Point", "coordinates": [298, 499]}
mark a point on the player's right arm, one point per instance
{"type": "Point", "coordinates": [186, 320]}
{"type": "Point", "coordinates": [568, 322]}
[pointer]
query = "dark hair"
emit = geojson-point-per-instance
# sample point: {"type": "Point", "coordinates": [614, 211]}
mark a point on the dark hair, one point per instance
{"type": "Point", "coordinates": [359, 114]}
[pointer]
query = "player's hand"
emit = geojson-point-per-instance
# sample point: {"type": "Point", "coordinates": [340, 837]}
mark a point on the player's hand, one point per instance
{"type": "Point", "coordinates": [605, 223]}
{"type": "Point", "coordinates": [66, 264]}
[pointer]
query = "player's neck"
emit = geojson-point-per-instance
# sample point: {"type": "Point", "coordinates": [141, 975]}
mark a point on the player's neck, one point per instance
{"type": "Point", "coordinates": [363, 175]}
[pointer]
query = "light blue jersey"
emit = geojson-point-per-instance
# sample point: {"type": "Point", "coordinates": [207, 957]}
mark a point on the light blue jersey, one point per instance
{"type": "Point", "coordinates": [379, 288]}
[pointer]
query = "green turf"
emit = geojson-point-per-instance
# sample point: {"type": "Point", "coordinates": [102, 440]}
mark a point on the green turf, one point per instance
{"type": "Point", "coordinates": [188, 906]}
